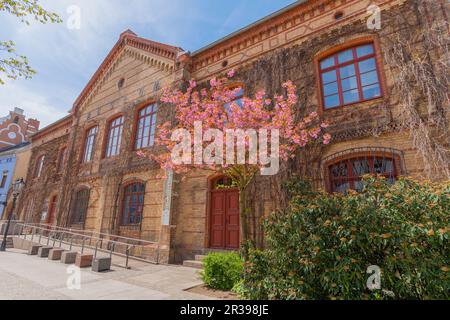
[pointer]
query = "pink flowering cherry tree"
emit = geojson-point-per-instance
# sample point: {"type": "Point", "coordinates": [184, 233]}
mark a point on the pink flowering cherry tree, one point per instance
{"type": "Point", "coordinates": [215, 131]}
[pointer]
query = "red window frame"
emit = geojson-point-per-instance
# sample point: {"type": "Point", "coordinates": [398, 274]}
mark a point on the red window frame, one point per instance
{"type": "Point", "coordinates": [146, 126]}
{"type": "Point", "coordinates": [61, 159]}
{"type": "Point", "coordinates": [114, 137]}
{"type": "Point", "coordinates": [355, 61]}
{"type": "Point", "coordinates": [133, 204]}
{"type": "Point", "coordinates": [39, 166]}
{"type": "Point", "coordinates": [89, 144]}
{"type": "Point", "coordinates": [351, 178]}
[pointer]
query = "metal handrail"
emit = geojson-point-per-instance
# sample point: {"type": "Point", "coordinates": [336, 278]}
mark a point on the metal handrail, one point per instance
{"type": "Point", "coordinates": [70, 235]}
{"type": "Point", "coordinates": [98, 234]}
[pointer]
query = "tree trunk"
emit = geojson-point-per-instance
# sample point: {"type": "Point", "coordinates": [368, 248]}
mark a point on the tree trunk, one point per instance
{"type": "Point", "coordinates": [243, 212]}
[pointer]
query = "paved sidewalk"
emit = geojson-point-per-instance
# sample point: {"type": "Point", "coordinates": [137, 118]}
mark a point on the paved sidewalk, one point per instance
{"type": "Point", "coordinates": [32, 278]}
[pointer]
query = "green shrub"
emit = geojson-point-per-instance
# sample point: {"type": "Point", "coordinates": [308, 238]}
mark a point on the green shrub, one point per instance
{"type": "Point", "coordinates": [222, 271]}
{"type": "Point", "coordinates": [322, 246]}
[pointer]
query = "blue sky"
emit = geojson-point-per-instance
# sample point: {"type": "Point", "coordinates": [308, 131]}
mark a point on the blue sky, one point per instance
{"type": "Point", "coordinates": [65, 59]}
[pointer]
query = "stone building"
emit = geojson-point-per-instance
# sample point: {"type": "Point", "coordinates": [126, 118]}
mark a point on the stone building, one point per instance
{"type": "Point", "coordinates": [16, 129]}
{"type": "Point", "coordinates": [85, 172]}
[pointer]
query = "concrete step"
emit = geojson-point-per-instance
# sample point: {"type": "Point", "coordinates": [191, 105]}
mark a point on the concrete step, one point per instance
{"type": "Point", "coordinates": [9, 243]}
{"type": "Point", "coordinates": [193, 264]}
{"type": "Point", "coordinates": [200, 257]}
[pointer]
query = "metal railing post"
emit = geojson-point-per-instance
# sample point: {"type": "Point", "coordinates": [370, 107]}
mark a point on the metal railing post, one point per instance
{"type": "Point", "coordinates": [112, 250]}
{"type": "Point", "coordinates": [61, 240]}
{"type": "Point", "coordinates": [32, 234]}
{"type": "Point", "coordinates": [96, 249]}
{"type": "Point", "coordinates": [82, 245]}
{"type": "Point", "coordinates": [71, 243]}
{"type": "Point", "coordinates": [40, 236]}
{"type": "Point", "coordinates": [128, 256]}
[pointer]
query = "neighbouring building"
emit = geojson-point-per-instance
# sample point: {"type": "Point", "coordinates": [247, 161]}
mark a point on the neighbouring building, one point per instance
{"type": "Point", "coordinates": [13, 166]}
{"type": "Point", "coordinates": [84, 171]}
{"type": "Point", "coordinates": [16, 129]}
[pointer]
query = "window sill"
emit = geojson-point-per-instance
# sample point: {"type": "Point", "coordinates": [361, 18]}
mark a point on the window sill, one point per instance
{"type": "Point", "coordinates": [354, 104]}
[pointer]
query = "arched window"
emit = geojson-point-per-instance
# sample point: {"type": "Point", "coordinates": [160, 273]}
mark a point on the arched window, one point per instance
{"type": "Point", "coordinates": [89, 144]}
{"type": "Point", "coordinates": [39, 166]}
{"type": "Point", "coordinates": [347, 174]}
{"type": "Point", "coordinates": [80, 206]}
{"type": "Point", "coordinates": [350, 76]}
{"type": "Point", "coordinates": [133, 204]}
{"type": "Point", "coordinates": [223, 183]}
{"type": "Point", "coordinates": [146, 127]}
{"type": "Point", "coordinates": [114, 140]}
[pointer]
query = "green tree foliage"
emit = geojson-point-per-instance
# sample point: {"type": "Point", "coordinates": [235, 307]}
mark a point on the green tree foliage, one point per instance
{"type": "Point", "coordinates": [222, 271]}
{"type": "Point", "coordinates": [13, 65]}
{"type": "Point", "coordinates": [322, 246]}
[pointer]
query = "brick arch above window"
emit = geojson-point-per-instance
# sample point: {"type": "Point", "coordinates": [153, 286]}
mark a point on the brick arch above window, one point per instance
{"type": "Point", "coordinates": [344, 170]}
{"type": "Point", "coordinates": [350, 73]}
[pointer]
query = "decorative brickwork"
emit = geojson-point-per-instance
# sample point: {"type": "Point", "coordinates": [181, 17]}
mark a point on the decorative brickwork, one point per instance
{"type": "Point", "coordinates": [16, 129]}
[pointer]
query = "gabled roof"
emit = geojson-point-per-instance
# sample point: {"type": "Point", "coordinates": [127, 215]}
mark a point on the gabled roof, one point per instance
{"type": "Point", "coordinates": [129, 38]}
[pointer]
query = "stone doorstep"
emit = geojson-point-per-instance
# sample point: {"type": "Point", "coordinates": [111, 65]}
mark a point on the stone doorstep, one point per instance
{"type": "Point", "coordinates": [101, 264]}
{"type": "Point", "coordinates": [34, 249]}
{"type": "Point", "coordinates": [55, 254]}
{"type": "Point", "coordinates": [193, 264]}
{"type": "Point", "coordinates": [44, 251]}
{"type": "Point", "coordinates": [84, 260]}
{"type": "Point", "coordinates": [68, 257]}
{"type": "Point", "coordinates": [200, 257]}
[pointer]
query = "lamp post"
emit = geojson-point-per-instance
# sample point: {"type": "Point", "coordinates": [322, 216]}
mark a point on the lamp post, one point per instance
{"type": "Point", "coordinates": [17, 187]}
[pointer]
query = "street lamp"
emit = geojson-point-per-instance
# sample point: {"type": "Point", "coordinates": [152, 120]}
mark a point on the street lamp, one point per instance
{"type": "Point", "coordinates": [17, 187]}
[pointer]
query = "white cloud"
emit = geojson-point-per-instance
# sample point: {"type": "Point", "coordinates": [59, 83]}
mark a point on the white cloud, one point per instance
{"type": "Point", "coordinates": [35, 105]}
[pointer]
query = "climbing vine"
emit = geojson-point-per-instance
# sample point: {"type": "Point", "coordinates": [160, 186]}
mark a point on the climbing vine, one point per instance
{"type": "Point", "coordinates": [419, 60]}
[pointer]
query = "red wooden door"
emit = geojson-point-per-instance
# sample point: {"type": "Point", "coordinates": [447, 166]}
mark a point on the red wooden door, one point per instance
{"type": "Point", "coordinates": [52, 211]}
{"type": "Point", "coordinates": [225, 219]}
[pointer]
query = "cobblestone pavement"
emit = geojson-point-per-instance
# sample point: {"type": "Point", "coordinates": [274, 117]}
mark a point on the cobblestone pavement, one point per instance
{"type": "Point", "coordinates": [32, 278]}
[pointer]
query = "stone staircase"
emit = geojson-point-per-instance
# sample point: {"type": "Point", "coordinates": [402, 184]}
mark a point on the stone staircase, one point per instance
{"type": "Point", "coordinates": [197, 263]}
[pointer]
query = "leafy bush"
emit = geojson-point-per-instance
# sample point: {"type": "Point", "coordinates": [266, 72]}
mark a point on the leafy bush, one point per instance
{"type": "Point", "coordinates": [222, 271]}
{"type": "Point", "coordinates": [322, 246]}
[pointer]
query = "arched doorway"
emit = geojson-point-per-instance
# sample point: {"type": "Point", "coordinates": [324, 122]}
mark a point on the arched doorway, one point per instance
{"type": "Point", "coordinates": [224, 215]}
